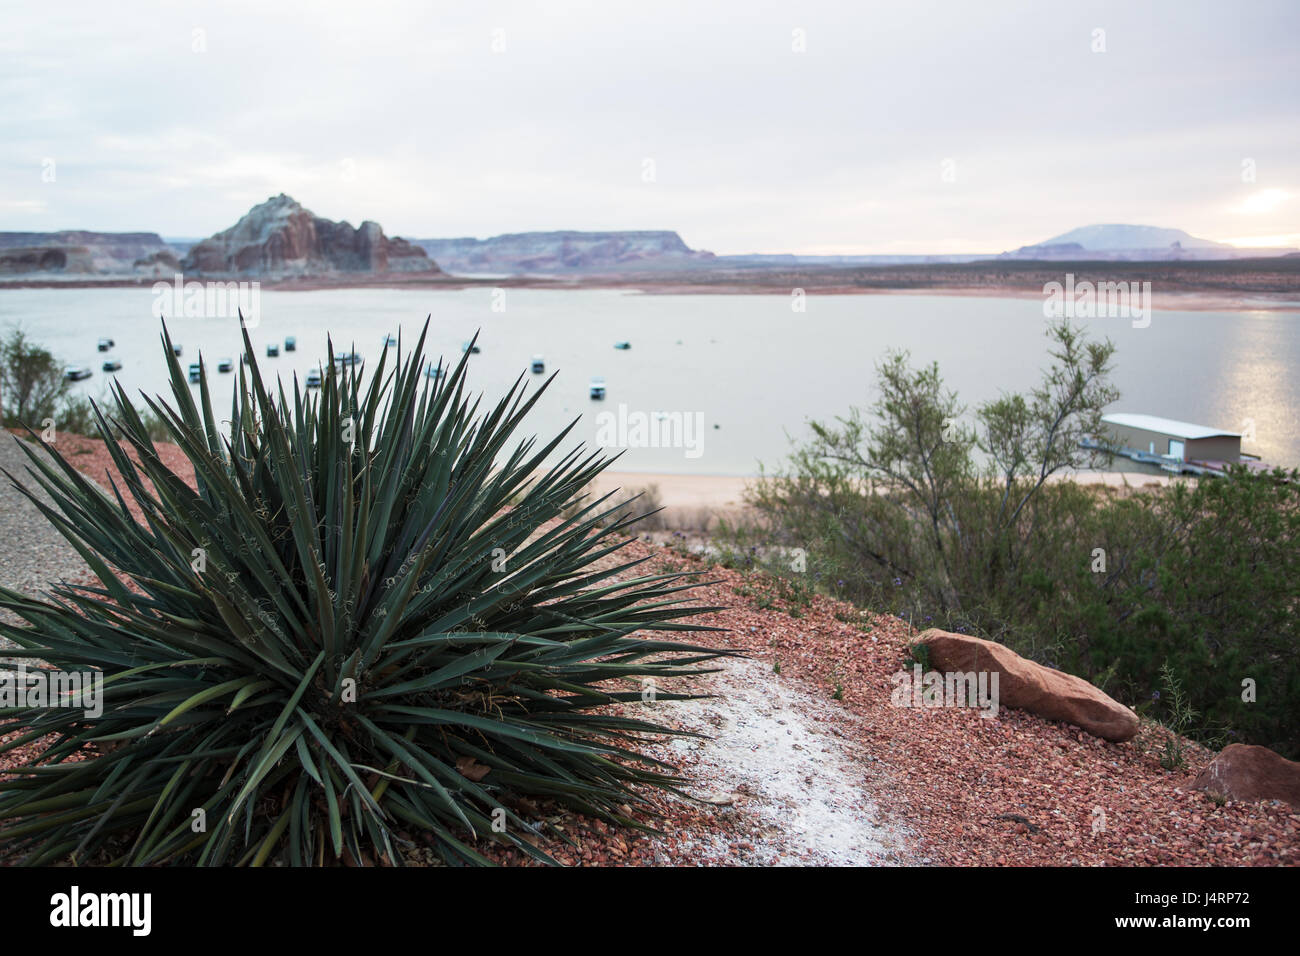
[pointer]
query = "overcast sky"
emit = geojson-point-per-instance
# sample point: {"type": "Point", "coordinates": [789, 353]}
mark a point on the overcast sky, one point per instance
{"type": "Point", "coordinates": [901, 127]}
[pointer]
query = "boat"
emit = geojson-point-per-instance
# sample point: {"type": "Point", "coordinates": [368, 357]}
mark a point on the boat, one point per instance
{"type": "Point", "coordinates": [112, 365]}
{"type": "Point", "coordinates": [75, 373]}
{"type": "Point", "coordinates": [390, 341]}
{"type": "Point", "coordinates": [435, 371]}
{"type": "Point", "coordinates": [196, 371]}
{"type": "Point", "coordinates": [1175, 447]}
{"type": "Point", "coordinates": [106, 344]}
{"type": "Point", "coordinates": [622, 346]}
{"type": "Point", "coordinates": [291, 344]}
{"type": "Point", "coordinates": [226, 365]}
{"type": "Point", "coordinates": [347, 358]}
{"type": "Point", "coordinates": [313, 378]}
{"type": "Point", "coordinates": [470, 347]}
{"type": "Point", "coordinates": [598, 388]}
{"type": "Point", "coordinates": [176, 349]}
{"type": "Point", "coordinates": [539, 366]}
{"type": "Point", "coordinates": [273, 351]}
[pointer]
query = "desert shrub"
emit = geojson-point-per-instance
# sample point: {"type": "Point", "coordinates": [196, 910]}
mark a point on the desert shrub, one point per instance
{"type": "Point", "coordinates": [635, 509]}
{"type": "Point", "coordinates": [76, 414]}
{"type": "Point", "coordinates": [946, 524]}
{"type": "Point", "coordinates": [344, 635]}
{"type": "Point", "coordinates": [31, 381]}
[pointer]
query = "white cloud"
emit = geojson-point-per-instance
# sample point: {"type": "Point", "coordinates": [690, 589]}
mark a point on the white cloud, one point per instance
{"type": "Point", "coordinates": [757, 148]}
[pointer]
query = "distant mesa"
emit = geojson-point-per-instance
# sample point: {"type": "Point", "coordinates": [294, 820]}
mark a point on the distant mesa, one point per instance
{"type": "Point", "coordinates": [565, 252]}
{"type": "Point", "coordinates": [1106, 238]}
{"type": "Point", "coordinates": [78, 252]}
{"type": "Point", "coordinates": [1119, 242]}
{"type": "Point", "coordinates": [280, 238]}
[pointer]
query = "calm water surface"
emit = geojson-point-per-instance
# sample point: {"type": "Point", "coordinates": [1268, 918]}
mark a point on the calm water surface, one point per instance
{"type": "Point", "coordinates": [747, 364]}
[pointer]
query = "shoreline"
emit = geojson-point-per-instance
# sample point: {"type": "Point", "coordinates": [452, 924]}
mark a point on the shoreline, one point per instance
{"type": "Point", "coordinates": [1189, 298]}
{"type": "Point", "coordinates": [687, 494]}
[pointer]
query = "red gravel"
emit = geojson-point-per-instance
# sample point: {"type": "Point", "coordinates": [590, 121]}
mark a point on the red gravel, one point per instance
{"type": "Point", "coordinates": [1011, 791]}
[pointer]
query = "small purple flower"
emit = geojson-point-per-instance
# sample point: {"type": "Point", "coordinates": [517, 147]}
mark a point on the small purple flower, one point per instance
{"type": "Point", "coordinates": [898, 582]}
{"type": "Point", "coordinates": [1156, 695]}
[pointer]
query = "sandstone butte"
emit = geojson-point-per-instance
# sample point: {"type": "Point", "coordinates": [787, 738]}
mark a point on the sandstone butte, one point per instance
{"type": "Point", "coordinates": [1031, 687]}
{"type": "Point", "coordinates": [280, 238]}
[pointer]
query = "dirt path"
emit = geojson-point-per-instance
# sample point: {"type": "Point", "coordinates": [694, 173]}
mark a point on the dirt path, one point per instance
{"type": "Point", "coordinates": [799, 791]}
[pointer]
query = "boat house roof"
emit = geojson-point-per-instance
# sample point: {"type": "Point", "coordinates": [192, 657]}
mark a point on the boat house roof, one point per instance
{"type": "Point", "coordinates": [1167, 426]}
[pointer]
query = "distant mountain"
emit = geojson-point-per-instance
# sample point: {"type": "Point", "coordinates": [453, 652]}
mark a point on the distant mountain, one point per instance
{"type": "Point", "coordinates": [1110, 238]}
{"type": "Point", "coordinates": [1124, 243]}
{"type": "Point", "coordinates": [280, 238]}
{"type": "Point", "coordinates": [552, 253]}
{"type": "Point", "coordinates": [79, 252]}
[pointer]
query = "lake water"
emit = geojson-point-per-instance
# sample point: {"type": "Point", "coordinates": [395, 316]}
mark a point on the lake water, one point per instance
{"type": "Point", "coordinates": [746, 364]}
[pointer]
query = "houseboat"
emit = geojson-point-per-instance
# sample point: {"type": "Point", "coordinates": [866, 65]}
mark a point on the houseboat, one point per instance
{"type": "Point", "coordinates": [539, 365]}
{"type": "Point", "coordinates": [1180, 448]}
{"type": "Point", "coordinates": [598, 388]}
{"type": "Point", "coordinates": [112, 365]}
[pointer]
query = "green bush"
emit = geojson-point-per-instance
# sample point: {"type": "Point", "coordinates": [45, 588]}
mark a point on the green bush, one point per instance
{"type": "Point", "coordinates": [76, 415]}
{"type": "Point", "coordinates": [344, 644]}
{"type": "Point", "coordinates": [31, 382]}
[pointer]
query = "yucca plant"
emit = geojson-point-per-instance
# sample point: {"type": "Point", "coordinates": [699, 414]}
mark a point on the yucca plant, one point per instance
{"type": "Point", "coordinates": [368, 632]}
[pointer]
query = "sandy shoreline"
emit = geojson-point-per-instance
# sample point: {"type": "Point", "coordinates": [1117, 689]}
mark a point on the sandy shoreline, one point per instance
{"type": "Point", "coordinates": [725, 494]}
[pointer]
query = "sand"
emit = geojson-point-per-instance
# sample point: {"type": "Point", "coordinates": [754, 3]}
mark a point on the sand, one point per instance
{"type": "Point", "coordinates": [724, 494]}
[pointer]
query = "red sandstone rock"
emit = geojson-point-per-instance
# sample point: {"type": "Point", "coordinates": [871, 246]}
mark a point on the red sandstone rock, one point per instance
{"type": "Point", "coordinates": [1247, 772]}
{"type": "Point", "coordinates": [1024, 685]}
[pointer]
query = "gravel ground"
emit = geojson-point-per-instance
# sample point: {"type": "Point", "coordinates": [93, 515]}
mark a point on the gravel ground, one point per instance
{"type": "Point", "coordinates": [33, 555]}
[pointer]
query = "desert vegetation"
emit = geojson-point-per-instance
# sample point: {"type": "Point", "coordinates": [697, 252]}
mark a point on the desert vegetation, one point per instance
{"type": "Point", "coordinates": [1178, 600]}
{"type": "Point", "coordinates": [376, 628]}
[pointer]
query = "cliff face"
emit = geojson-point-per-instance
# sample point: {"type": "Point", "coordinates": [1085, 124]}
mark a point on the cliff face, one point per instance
{"type": "Point", "coordinates": [563, 252]}
{"type": "Point", "coordinates": [281, 238]}
{"type": "Point", "coordinates": [81, 253]}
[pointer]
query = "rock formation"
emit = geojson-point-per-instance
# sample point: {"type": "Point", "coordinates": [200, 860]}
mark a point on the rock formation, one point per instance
{"type": "Point", "coordinates": [281, 238]}
{"type": "Point", "coordinates": [550, 253]}
{"type": "Point", "coordinates": [1248, 772]}
{"type": "Point", "coordinates": [1032, 687]}
{"type": "Point", "coordinates": [80, 253]}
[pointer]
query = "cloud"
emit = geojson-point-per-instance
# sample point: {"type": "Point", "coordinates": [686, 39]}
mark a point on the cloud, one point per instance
{"type": "Point", "coordinates": [757, 147]}
{"type": "Point", "coordinates": [1263, 202]}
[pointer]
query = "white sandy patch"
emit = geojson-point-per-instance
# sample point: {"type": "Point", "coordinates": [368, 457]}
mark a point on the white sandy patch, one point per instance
{"type": "Point", "coordinates": [801, 791]}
